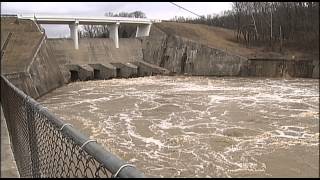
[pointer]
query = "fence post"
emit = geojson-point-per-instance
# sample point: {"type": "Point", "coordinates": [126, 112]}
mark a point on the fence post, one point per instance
{"type": "Point", "coordinates": [32, 140]}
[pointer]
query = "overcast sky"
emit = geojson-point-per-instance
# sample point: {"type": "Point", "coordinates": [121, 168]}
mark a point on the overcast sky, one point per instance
{"type": "Point", "coordinates": [153, 10]}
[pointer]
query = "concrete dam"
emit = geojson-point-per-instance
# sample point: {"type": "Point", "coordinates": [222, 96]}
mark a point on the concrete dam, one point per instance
{"type": "Point", "coordinates": [173, 106]}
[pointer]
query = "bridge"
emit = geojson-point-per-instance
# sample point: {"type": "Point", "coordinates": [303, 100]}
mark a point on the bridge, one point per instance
{"type": "Point", "coordinates": [143, 25]}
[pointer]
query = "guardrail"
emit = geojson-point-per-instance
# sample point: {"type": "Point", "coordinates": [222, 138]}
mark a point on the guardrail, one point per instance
{"type": "Point", "coordinates": [45, 146]}
{"type": "Point", "coordinates": [3, 47]}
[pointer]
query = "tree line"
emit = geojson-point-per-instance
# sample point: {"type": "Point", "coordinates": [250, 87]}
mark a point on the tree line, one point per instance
{"type": "Point", "coordinates": [278, 24]}
{"type": "Point", "coordinates": [101, 31]}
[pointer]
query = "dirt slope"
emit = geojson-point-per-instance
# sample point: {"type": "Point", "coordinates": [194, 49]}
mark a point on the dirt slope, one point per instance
{"type": "Point", "coordinates": [224, 39]}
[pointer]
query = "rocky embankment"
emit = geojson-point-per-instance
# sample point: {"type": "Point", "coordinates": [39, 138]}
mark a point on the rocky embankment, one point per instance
{"type": "Point", "coordinates": [185, 56]}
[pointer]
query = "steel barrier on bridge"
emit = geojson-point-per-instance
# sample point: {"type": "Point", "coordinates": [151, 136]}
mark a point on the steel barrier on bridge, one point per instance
{"type": "Point", "coordinates": [45, 146]}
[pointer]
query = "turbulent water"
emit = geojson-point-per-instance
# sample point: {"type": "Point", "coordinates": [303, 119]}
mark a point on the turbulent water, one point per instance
{"type": "Point", "coordinates": [200, 126]}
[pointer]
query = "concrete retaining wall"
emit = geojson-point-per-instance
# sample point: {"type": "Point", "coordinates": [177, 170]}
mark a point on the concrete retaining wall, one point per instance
{"type": "Point", "coordinates": [23, 81]}
{"type": "Point", "coordinates": [113, 70]}
{"type": "Point", "coordinates": [266, 68]}
{"type": "Point", "coordinates": [45, 71]}
{"type": "Point", "coordinates": [298, 68]}
{"type": "Point", "coordinates": [126, 70]}
{"type": "Point", "coordinates": [27, 61]}
{"type": "Point", "coordinates": [104, 71]}
{"type": "Point", "coordinates": [315, 73]}
{"type": "Point", "coordinates": [147, 69]}
{"type": "Point", "coordinates": [80, 72]}
{"type": "Point", "coordinates": [95, 50]}
{"type": "Point", "coordinates": [280, 68]}
{"type": "Point", "coordinates": [183, 56]}
{"type": "Point", "coordinates": [40, 75]}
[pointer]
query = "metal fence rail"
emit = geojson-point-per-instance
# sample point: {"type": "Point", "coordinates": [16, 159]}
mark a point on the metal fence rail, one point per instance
{"type": "Point", "coordinates": [44, 146]}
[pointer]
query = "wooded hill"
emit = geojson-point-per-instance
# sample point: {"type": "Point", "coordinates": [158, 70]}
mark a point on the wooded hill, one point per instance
{"type": "Point", "coordinates": [277, 26]}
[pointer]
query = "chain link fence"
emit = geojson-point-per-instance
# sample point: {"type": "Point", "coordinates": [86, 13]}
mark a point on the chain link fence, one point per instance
{"type": "Point", "coordinates": [44, 146]}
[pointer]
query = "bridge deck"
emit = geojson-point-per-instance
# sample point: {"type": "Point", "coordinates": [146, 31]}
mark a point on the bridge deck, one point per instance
{"type": "Point", "coordinates": [43, 19]}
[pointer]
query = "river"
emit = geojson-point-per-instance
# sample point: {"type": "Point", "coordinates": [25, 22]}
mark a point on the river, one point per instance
{"type": "Point", "coordinates": [180, 126]}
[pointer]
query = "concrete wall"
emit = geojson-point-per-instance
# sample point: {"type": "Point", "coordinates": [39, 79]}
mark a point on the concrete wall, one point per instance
{"type": "Point", "coordinates": [104, 71]}
{"type": "Point", "coordinates": [27, 61]}
{"type": "Point", "coordinates": [315, 73]}
{"type": "Point", "coordinates": [96, 50]}
{"type": "Point", "coordinates": [41, 76]}
{"type": "Point", "coordinates": [298, 68]}
{"type": "Point", "coordinates": [105, 59]}
{"type": "Point", "coordinates": [19, 51]}
{"type": "Point", "coordinates": [113, 70]}
{"type": "Point", "coordinates": [45, 71]}
{"type": "Point", "coordinates": [126, 70]}
{"type": "Point", "coordinates": [260, 67]}
{"type": "Point", "coordinates": [147, 69]}
{"type": "Point", "coordinates": [183, 56]}
{"type": "Point", "coordinates": [280, 68]}
{"type": "Point", "coordinates": [23, 81]}
{"type": "Point", "coordinates": [80, 72]}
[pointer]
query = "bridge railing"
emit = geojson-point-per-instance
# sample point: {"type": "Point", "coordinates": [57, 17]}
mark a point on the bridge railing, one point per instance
{"type": "Point", "coordinates": [45, 146]}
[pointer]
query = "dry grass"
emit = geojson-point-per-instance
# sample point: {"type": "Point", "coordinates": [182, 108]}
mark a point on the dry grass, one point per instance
{"type": "Point", "coordinates": [224, 39]}
{"type": "Point", "coordinates": [211, 36]}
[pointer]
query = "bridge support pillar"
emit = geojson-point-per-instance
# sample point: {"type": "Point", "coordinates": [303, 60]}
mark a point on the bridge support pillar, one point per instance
{"type": "Point", "coordinates": [74, 34]}
{"type": "Point", "coordinates": [113, 33]}
{"type": "Point", "coordinates": [71, 31]}
{"type": "Point", "coordinates": [143, 30]}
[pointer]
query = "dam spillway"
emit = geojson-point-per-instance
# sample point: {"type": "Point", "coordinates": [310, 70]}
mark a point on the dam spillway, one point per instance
{"type": "Point", "coordinates": [259, 119]}
{"type": "Point", "coordinates": [200, 126]}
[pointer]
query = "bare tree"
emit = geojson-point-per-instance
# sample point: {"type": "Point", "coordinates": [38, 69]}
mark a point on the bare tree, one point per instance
{"type": "Point", "coordinates": [253, 24]}
{"type": "Point", "coordinates": [125, 31]}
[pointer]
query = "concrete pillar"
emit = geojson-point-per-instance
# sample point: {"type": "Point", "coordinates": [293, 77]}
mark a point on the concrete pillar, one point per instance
{"type": "Point", "coordinates": [74, 34]}
{"type": "Point", "coordinates": [71, 27]}
{"type": "Point", "coordinates": [113, 33]}
{"type": "Point", "coordinates": [143, 30]}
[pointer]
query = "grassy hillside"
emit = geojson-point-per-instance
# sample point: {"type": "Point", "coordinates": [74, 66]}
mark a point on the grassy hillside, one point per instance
{"type": "Point", "coordinates": [225, 39]}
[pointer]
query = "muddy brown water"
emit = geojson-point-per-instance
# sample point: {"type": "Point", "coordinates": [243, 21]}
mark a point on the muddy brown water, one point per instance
{"type": "Point", "coordinates": [199, 126]}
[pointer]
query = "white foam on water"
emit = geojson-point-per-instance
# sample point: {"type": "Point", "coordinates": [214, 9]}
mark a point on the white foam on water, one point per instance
{"type": "Point", "coordinates": [131, 132]}
{"type": "Point", "coordinates": [196, 103]}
